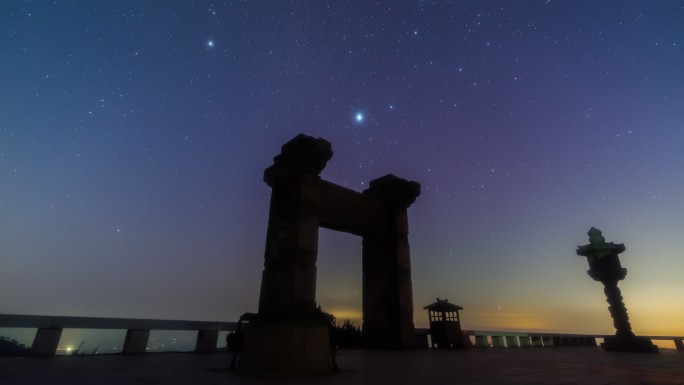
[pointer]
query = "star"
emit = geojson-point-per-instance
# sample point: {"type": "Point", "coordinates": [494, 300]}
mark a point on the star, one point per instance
{"type": "Point", "coordinates": [210, 44]}
{"type": "Point", "coordinates": [359, 117]}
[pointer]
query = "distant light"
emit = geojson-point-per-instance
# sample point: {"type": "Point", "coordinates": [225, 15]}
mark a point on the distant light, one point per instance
{"type": "Point", "coordinates": [359, 117]}
{"type": "Point", "coordinates": [210, 44]}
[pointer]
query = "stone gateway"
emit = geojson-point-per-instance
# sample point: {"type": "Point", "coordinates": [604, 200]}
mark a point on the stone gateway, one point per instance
{"type": "Point", "coordinates": [286, 338]}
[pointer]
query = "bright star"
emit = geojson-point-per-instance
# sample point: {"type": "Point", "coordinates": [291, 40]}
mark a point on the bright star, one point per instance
{"type": "Point", "coordinates": [359, 117]}
{"type": "Point", "coordinates": [210, 43]}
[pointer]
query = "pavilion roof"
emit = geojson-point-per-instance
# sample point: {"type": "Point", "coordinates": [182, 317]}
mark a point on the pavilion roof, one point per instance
{"type": "Point", "coordinates": [442, 305]}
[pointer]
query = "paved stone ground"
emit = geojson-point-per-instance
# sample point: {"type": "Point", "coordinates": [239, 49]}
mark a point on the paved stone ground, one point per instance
{"type": "Point", "coordinates": [576, 365]}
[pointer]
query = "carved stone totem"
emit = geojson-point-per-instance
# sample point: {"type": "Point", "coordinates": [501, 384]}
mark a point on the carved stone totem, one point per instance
{"type": "Point", "coordinates": [604, 266]}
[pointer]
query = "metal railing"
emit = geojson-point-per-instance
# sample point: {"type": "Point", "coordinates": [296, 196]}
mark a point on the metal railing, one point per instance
{"type": "Point", "coordinates": [50, 329]}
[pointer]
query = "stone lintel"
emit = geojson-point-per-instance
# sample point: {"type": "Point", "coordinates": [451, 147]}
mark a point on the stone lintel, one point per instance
{"type": "Point", "coordinates": [394, 190]}
{"type": "Point", "coordinates": [301, 155]}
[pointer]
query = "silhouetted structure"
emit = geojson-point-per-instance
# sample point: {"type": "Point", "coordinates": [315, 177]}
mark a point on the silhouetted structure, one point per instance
{"type": "Point", "coordinates": [287, 338]}
{"type": "Point", "coordinates": [604, 266]}
{"type": "Point", "coordinates": [445, 325]}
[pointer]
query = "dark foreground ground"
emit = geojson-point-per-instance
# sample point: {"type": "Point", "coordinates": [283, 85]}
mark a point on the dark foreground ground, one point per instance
{"type": "Point", "coordinates": [578, 365]}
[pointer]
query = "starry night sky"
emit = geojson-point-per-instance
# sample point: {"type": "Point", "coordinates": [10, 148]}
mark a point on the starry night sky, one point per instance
{"type": "Point", "coordinates": [134, 135]}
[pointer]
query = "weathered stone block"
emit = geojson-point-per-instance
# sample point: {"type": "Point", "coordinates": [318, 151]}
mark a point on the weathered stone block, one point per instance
{"type": "Point", "coordinates": [286, 349]}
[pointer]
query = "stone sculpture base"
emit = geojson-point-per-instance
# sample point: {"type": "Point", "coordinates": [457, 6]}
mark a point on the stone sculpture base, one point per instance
{"type": "Point", "coordinates": [285, 348]}
{"type": "Point", "coordinates": [629, 344]}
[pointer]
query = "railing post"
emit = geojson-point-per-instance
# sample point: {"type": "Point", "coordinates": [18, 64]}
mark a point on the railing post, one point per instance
{"type": "Point", "coordinates": [136, 341]}
{"type": "Point", "coordinates": [512, 341]}
{"type": "Point", "coordinates": [548, 341]}
{"type": "Point", "coordinates": [679, 344]}
{"type": "Point", "coordinates": [45, 342]}
{"type": "Point", "coordinates": [206, 341]}
{"type": "Point", "coordinates": [525, 342]}
{"type": "Point", "coordinates": [498, 342]}
{"type": "Point", "coordinates": [536, 341]}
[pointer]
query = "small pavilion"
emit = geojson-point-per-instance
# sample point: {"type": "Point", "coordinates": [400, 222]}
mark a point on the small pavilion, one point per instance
{"type": "Point", "coordinates": [445, 325]}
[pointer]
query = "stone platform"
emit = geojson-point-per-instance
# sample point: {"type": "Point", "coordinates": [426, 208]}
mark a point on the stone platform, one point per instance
{"type": "Point", "coordinates": [572, 365]}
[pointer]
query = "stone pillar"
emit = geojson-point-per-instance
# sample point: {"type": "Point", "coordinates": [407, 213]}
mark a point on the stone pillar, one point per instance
{"type": "Point", "coordinates": [387, 287]}
{"type": "Point", "coordinates": [617, 309]}
{"type": "Point", "coordinates": [288, 283]}
{"type": "Point", "coordinates": [287, 338]}
{"type": "Point", "coordinates": [136, 341]}
{"type": "Point", "coordinates": [604, 266]}
{"type": "Point", "coordinates": [45, 342]}
{"type": "Point", "coordinates": [206, 341]}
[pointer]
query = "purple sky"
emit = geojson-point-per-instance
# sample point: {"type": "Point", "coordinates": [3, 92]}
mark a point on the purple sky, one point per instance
{"type": "Point", "coordinates": [134, 135]}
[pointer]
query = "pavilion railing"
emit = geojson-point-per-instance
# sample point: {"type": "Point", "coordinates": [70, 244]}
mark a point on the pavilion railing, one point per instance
{"type": "Point", "coordinates": [50, 329]}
